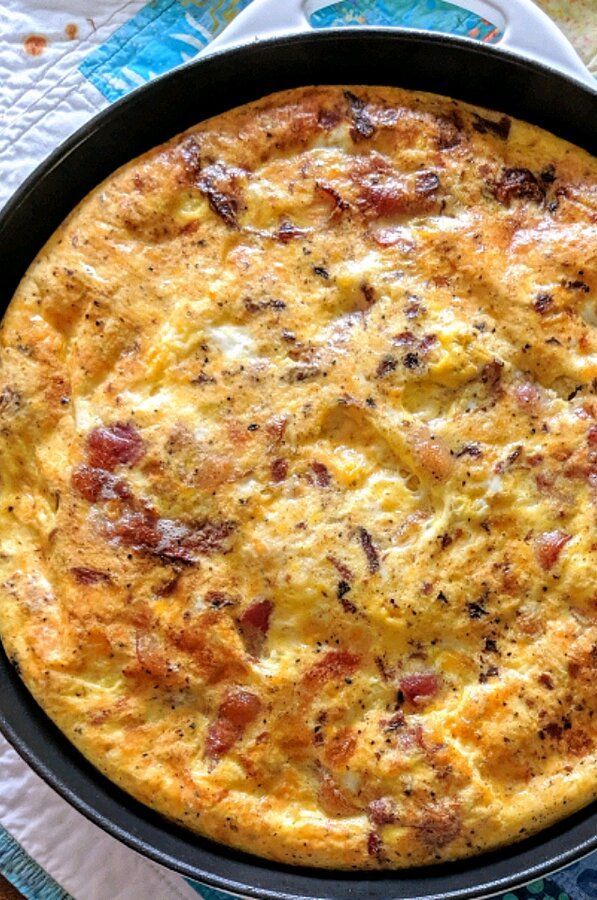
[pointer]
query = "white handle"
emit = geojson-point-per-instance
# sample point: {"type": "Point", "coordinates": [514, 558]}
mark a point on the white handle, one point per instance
{"type": "Point", "coordinates": [525, 28]}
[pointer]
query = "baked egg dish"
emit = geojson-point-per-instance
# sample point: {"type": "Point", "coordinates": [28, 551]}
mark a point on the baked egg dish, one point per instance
{"type": "Point", "coordinates": [299, 468]}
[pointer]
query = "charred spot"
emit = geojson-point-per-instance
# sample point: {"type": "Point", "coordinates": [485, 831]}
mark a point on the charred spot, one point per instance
{"type": "Point", "coordinates": [469, 450]}
{"type": "Point", "coordinates": [577, 285]}
{"type": "Point", "coordinates": [322, 272]}
{"type": "Point", "coordinates": [476, 610]}
{"type": "Point", "coordinates": [490, 672]}
{"type": "Point", "coordinates": [411, 361]}
{"type": "Point", "coordinates": [518, 183]}
{"type": "Point", "coordinates": [362, 126]}
{"type": "Point", "coordinates": [501, 128]}
{"type": "Point", "coordinates": [490, 646]}
{"type": "Point", "coordinates": [343, 589]}
{"type": "Point", "coordinates": [548, 175]}
{"type": "Point", "coordinates": [369, 549]}
{"type": "Point", "coordinates": [543, 303]}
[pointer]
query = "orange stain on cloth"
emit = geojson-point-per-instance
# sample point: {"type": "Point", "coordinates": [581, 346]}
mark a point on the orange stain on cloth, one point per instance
{"type": "Point", "coordinates": [71, 31]}
{"type": "Point", "coordinates": [35, 45]}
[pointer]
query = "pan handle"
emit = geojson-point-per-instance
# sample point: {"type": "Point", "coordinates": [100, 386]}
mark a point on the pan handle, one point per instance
{"type": "Point", "coordinates": [525, 28]}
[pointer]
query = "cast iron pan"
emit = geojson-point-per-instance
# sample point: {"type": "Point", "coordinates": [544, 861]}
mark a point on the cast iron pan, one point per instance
{"type": "Point", "coordinates": [150, 115]}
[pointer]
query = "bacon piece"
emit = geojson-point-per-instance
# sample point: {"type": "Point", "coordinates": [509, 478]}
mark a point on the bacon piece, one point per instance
{"type": "Point", "coordinates": [322, 475]}
{"type": "Point", "coordinates": [426, 183]}
{"type": "Point", "coordinates": [332, 799]}
{"type": "Point", "coordinates": [341, 747]}
{"type": "Point", "coordinates": [276, 428]}
{"type": "Point", "coordinates": [382, 811]}
{"type": "Point", "coordinates": [449, 131]}
{"type": "Point", "coordinates": [329, 191]}
{"type": "Point", "coordinates": [592, 436]}
{"type": "Point", "coordinates": [420, 687]}
{"type": "Point", "coordinates": [97, 484]}
{"type": "Point", "coordinates": [114, 445]}
{"type": "Point", "coordinates": [89, 576]}
{"type": "Point", "coordinates": [237, 710]}
{"type": "Point", "coordinates": [279, 470]}
{"type": "Point", "coordinates": [219, 184]}
{"type": "Point", "coordinates": [501, 128]}
{"type": "Point", "coordinates": [341, 568]}
{"type": "Point", "coordinates": [438, 824]}
{"type": "Point", "coordinates": [254, 624]}
{"type": "Point", "coordinates": [517, 183]}
{"type": "Point", "coordinates": [288, 231]}
{"type": "Point", "coordinates": [374, 844]}
{"type": "Point", "coordinates": [171, 539]}
{"type": "Point", "coordinates": [362, 126]}
{"type": "Point", "coordinates": [369, 549]}
{"type": "Point", "coordinates": [149, 657]}
{"type": "Point", "coordinates": [527, 396]}
{"type": "Point", "coordinates": [548, 547]}
{"type": "Point", "coordinates": [334, 664]}
{"type": "Point", "coordinates": [491, 374]}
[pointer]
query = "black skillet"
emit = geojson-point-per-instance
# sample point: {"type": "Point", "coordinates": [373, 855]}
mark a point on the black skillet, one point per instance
{"type": "Point", "coordinates": [150, 115]}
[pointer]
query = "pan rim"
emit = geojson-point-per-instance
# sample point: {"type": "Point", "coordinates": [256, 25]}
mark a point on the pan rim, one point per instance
{"type": "Point", "coordinates": [479, 887]}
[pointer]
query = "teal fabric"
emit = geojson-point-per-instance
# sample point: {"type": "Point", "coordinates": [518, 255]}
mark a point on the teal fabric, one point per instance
{"type": "Point", "coordinates": [24, 873]}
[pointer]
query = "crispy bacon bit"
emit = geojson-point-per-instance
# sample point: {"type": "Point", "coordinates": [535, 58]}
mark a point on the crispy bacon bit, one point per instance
{"type": "Point", "coordinates": [150, 658]}
{"type": "Point", "coordinates": [114, 445]}
{"type": "Point", "coordinates": [279, 470]}
{"type": "Point", "coordinates": [89, 576]}
{"type": "Point", "coordinates": [592, 436]}
{"type": "Point", "coordinates": [577, 285]}
{"type": "Point", "coordinates": [219, 184]}
{"type": "Point", "coordinates": [439, 824]}
{"type": "Point", "coordinates": [396, 722]}
{"type": "Point", "coordinates": [420, 687]}
{"type": "Point", "coordinates": [449, 131]}
{"type": "Point", "coordinates": [362, 127]}
{"type": "Point", "coordinates": [518, 183]}
{"type": "Point", "coordinates": [386, 365]}
{"type": "Point", "coordinates": [341, 568]}
{"type": "Point", "coordinates": [97, 484]}
{"type": "Point", "coordinates": [276, 428]}
{"type": "Point", "coordinates": [321, 473]}
{"type": "Point", "coordinates": [328, 118]}
{"type": "Point", "coordinates": [382, 811]}
{"type": "Point", "coordinates": [341, 747]}
{"type": "Point", "coordinates": [546, 680]}
{"type": "Point", "coordinates": [548, 175]}
{"type": "Point", "coordinates": [171, 539]}
{"type": "Point", "coordinates": [543, 303]}
{"type": "Point", "coordinates": [527, 395]}
{"type": "Point", "coordinates": [469, 450]}
{"type": "Point", "coordinates": [369, 549]}
{"type": "Point", "coordinates": [332, 799]}
{"type": "Point", "coordinates": [237, 710]}
{"type": "Point", "coordinates": [548, 547]}
{"type": "Point", "coordinates": [335, 664]}
{"type": "Point", "coordinates": [501, 128]}
{"type": "Point", "coordinates": [254, 625]}
{"type": "Point", "coordinates": [476, 610]}
{"type": "Point", "coordinates": [339, 203]}
{"type": "Point", "coordinates": [426, 183]}
{"type": "Point", "coordinates": [288, 231]}
{"type": "Point", "coordinates": [374, 844]}
{"type": "Point", "coordinates": [491, 374]}
{"type": "Point", "coordinates": [342, 590]}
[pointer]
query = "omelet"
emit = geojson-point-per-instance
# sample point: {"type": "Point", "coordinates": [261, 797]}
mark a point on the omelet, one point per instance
{"type": "Point", "coordinates": [299, 470]}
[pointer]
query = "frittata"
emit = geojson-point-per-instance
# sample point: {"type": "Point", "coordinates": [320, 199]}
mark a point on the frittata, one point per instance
{"type": "Point", "coordinates": [299, 470]}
